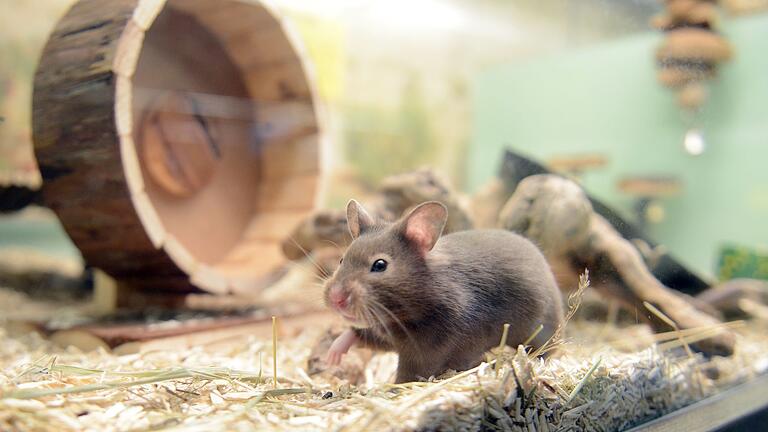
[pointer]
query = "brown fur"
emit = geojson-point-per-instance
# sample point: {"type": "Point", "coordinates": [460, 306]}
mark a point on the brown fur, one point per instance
{"type": "Point", "coordinates": [442, 307]}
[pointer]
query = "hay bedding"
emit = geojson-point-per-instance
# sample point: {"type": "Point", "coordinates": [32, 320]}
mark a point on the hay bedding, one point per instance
{"type": "Point", "coordinates": [604, 380]}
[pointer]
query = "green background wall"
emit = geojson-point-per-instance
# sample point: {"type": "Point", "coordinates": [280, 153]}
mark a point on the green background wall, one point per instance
{"type": "Point", "coordinates": [605, 99]}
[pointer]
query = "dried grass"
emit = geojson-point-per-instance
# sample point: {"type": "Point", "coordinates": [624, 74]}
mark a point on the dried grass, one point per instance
{"type": "Point", "coordinates": [590, 384]}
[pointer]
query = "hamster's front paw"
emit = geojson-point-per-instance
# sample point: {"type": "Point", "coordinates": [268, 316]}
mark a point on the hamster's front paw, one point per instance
{"type": "Point", "coordinates": [333, 358]}
{"type": "Point", "coordinates": [340, 346]}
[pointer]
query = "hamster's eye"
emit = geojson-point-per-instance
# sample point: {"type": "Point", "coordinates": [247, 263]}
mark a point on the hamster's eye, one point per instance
{"type": "Point", "coordinates": [379, 266]}
{"type": "Point", "coordinates": [341, 260]}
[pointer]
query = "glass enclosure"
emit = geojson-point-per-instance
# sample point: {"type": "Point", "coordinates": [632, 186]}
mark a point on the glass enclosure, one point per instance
{"type": "Point", "coordinates": [186, 187]}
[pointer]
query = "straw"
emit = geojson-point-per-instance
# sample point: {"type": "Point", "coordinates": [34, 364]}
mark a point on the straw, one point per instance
{"type": "Point", "coordinates": [274, 352]}
{"type": "Point", "coordinates": [588, 385]}
{"type": "Point", "coordinates": [672, 324]}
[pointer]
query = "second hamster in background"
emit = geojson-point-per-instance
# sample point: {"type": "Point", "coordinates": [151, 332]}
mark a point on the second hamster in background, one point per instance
{"type": "Point", "coordinates": [439, 302]}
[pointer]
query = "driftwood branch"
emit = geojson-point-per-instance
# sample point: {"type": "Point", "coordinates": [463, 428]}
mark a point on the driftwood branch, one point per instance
{"type": "Point", "coordinates": [516, 167]}
{"type": "Point", "coordinates": [555, 213]}
{"type": "Point", "coordinates": [324, 235]}
{"type": "Point", "coordinates": [734, 297]}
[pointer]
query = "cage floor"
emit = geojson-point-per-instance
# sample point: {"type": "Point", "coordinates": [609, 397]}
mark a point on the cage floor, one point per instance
{"type": "Point", "coordinates": [604, 377]}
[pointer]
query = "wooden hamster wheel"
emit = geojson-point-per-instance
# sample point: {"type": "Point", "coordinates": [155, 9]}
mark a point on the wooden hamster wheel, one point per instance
{"type": "Point", "coordinates": [178, 140]}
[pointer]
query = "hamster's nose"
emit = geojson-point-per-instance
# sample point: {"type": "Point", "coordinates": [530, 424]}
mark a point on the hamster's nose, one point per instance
{"type": "Point", "coordinates": [339, 299]}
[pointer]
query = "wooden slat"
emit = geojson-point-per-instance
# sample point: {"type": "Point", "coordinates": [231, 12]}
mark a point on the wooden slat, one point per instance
{"type": "Point", "coordinates": [297, 157]}
{"type": "Point", "coordinates": [199, 7]}
{"type": "Point", "coordinates": [288, 325]}
{"type": "Point", "coordinates": [180, 255]}
{"type": "Point", "coordinates": [265, 46]}
{"type": "Point", "coordinates": [256, 20]}
{"type": "Point", "coordinates": [146, 12]}
{"type": "Point", "coordinates": [281, 123]}
{"type": "Point", "coordinates": [124, 106]}
{"type": "Point", "coordinates": [150, 220]}
{"type": "Point", "coordinates": [251, 259]}
{"type": "Point", "coordinates": [229, 16]}
{"type": "Point", "coordinates": [131, 165]}
{"type": "Point", "coordinates": [250, 286]}
{"type": "Point", "coordinates": [273, 226]}
{"type": "Point", "coordinates": [294, 193]}
{"type": "Point", "coordinates": [278, 82]}
{"type": "Point", "coordinates": [129, 49]}
{"type": "Point", "coordinates": [210, 279]}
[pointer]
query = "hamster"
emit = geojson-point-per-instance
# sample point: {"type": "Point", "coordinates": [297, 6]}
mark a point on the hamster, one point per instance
{"type": "Point", "coordinates": [439, 302]}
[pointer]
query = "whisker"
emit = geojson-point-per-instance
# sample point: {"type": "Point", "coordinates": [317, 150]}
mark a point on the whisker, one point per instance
{"type": "Point", "coordinates": [369, 317]}
{"type": "Point", "coordinates": [395, 319]}
{"type": "Point", "coordinates": [372, 309]}
{"type": "Point", "coordinates": [334, 243]}
{"type": "Point", "coordinates": [306, 254]}
{"type": "Point", "coordinates": [386, 310]}
{"type": "Point", "coordinates": [320, 280]}
{"type": "Point", "coordinates": [294, 265]}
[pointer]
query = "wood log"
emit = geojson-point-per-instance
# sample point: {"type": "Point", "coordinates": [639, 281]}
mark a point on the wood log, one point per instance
{"type": "Point", "coordinates": [164, 141]}
{"type": "Point", "coordinates": [555, 213]}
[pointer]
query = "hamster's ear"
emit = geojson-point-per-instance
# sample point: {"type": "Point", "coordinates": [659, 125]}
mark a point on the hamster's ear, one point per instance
{"type": "Point", "coordinates": [358, 219]}
{"type": "Point", "coordinates": [424, 224]}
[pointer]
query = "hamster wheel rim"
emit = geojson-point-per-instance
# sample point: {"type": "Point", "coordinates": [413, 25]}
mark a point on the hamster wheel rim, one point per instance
{"type": "Point", "coordinates": [290, 184]}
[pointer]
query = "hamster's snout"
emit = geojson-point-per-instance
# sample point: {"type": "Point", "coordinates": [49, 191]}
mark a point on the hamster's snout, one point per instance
{"type": "Point", "coordinates": [339, 299]}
